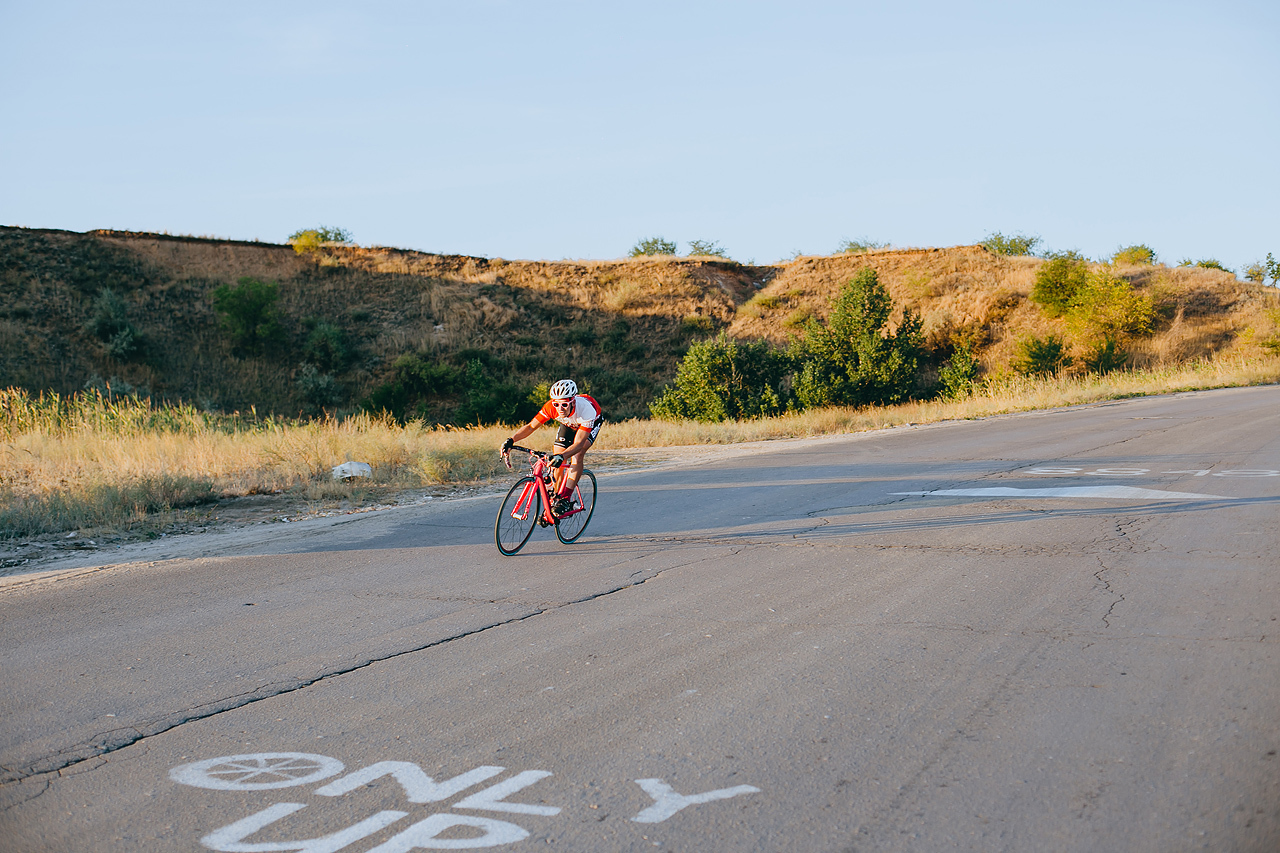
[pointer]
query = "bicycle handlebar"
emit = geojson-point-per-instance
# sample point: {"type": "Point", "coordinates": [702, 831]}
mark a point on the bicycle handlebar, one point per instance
{"type": "Point", "coordinates": [506, 454]}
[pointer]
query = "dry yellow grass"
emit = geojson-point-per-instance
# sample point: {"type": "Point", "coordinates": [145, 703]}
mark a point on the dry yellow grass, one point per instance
{"type": "Point", "coordinates": [66, 472]}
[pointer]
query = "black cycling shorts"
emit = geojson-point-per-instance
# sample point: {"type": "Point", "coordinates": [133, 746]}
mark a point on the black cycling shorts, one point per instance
{"type": "Point", "coordinates": [565, 435]}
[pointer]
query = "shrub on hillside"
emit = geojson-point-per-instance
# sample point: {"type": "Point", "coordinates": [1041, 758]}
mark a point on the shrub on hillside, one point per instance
{"type": "Point", "coordinates": [1207, 264]}
{"type": "Point", "coordinates": [247, 313]}
{"type": "Point", "coordinates": [326, 347]}
{"type": "Point", "coordinates": [489, 401]}
{"type": "Point", "coordinates": [319, 391]}
{"type": "Point", "coordinates": [853, 360]}
{"type": "Point", "coordinates": [653, 246]}
{"type": "Point", "coordinates": [1135, 255]}
{"type": "Point", "coordinates": [110, 324]}
{"type": "Point", "coordinates": [707, 248]}
{"type": "Point", "coordinates": [1057, 281]}
{"type": "Point", "coordinates": [722, 379]}
{"type": "Point", "coordinates": [1259, 271]}
{"type": "Point", "coordinates": [428, 390]}
{"type": "Point", "coordinates": [1041, 357]}
{"type": "Point", "coordinates": [959, 373]}
{"type": "Point", "coordinates": [1105, 356]}
{"type": "Point", "coordinates": [1013, 244]}
{"type": "Point", "coordinates": [414, 381]}
{"type": "Point", "coordinates": [310, 239]}
{"type": "Point", "coordinates": [1256, 272]}
{"type": "Point", "coordinates": [859, 247]}
{"type": "Point", "coordinates": [1107, 307]}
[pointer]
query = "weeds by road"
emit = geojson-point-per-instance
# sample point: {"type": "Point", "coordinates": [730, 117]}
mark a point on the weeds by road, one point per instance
{"type": "Point", "coordinates": [93, 464]}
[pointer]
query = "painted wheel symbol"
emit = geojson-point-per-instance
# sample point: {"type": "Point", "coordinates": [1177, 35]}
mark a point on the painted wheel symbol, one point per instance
{"type": "Point", "coordinates": [257, 771]}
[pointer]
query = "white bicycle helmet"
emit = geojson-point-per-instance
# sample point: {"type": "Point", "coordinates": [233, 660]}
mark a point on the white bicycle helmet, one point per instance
{"type": "Point", "coordinates": [565, 389]}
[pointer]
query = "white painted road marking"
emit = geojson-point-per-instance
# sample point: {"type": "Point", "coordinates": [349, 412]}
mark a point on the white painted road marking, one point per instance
{"type": "Point", "coordinates": [259, 771]}
{"type": "Point", "coordinates": [490, 799]}
{"type": "Point", "coordinates": [423, 834]}
{"type": "Point", "coordinates": [667, 802]}
{"type": "Point", "coordinates": [418, 786]}
{"type": "Point", "coordinates": [1121, 492]}
{"type": "Point", "coordinates": [265, 770]}
{"type": "Point", "coordinates": [231, 838]}
{"type": "Point", "coordinates": [1062, 470]}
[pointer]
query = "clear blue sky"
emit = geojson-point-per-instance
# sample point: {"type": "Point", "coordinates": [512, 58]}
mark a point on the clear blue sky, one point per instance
{"type": "Point", "coordinates": [571, 130]}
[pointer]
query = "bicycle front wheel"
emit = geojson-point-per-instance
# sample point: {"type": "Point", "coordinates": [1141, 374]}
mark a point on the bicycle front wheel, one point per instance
{"type": "Point", "coordinates": [570, 527]}
{"type": "Point", "coordinates": [517, 516]}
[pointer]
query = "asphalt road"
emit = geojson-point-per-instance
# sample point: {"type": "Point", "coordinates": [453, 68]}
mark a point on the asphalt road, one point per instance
{"type": "Point", "coordinates": [1051, 631]}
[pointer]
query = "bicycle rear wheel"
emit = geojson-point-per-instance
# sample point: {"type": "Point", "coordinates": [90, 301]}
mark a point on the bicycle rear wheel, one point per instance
{"type": "Point", "coordinates": [570, 527]}
{"type": "Point", "coordinates": [519, 512]}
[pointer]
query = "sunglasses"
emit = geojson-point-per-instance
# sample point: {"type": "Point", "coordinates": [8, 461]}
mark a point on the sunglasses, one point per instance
{"type": "Point", "coordinates": [562, 404]}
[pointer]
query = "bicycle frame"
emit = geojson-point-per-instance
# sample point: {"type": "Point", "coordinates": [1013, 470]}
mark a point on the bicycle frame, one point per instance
{"type": "Point", "coordinates": [541, 473]}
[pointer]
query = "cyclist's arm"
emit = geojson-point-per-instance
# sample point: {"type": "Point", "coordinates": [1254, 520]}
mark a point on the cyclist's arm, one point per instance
{"type": "Point", "coordinates": [581, 442]}
{"type": "Point", "coordinates": [526, 430]}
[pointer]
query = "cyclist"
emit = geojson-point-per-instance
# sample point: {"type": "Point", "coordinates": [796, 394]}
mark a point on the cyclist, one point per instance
{"type": "Point", "coordinates": [580, 419]}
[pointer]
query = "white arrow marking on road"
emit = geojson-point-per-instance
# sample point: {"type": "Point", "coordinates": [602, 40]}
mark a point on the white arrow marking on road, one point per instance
{"type": "Point", "coordinates": [1122, 492]}
{"type": "Point", "coordinates": [667, 802]}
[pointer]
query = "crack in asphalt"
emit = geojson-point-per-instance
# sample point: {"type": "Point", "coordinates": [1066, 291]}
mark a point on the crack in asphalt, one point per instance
{"type": "Point", "coordinates": [1107, 588]}
{"type": "Point", "coordinates": [113, 740]}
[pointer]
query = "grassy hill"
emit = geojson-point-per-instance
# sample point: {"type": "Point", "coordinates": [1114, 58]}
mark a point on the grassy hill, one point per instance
{"type": "Point", "coordinates": [439, 335]}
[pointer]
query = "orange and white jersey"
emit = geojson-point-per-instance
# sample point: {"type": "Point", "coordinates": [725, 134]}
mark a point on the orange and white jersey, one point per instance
{"type": "Point", "coordinates": [585, 414]}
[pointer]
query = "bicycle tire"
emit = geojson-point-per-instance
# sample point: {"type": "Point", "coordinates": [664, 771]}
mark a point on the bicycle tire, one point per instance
{"type": "Point", "coordinates": [509, 532]}
{"type": "Point", "coordinates": [569, 528]}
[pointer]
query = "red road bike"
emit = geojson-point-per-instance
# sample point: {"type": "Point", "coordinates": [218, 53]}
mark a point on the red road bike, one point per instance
{"type": "Point", "coordinates": [529, 503]}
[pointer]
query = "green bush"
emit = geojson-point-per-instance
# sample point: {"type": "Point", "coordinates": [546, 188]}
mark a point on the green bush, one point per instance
{"type": "Point", "coordinates": [326, 347]}
{"type": "Point", "coordinates": [653, 246]}
{"type": "Point", "coordinates": [707, 248]}
{"type": "Point", "coordinates": [1014, 244]}
{"type": "Point", "coordinates": [1057, 281]}
{"type": "Point", "coordinates": [437, 391]}
{"type": "Point", "coordinates": [1105, 356]}
{"type": "Point", "coordinates": [1207, 263]}
{"type": "Point", "coordinates": [1256, 272]}
{"type": "Point", "coordinates": [1135, 255]}
{"type": "Point", "coordinates": [319, 391]}
{"type": "Point", "coordinates": [247, 313]}
{"type": "Point", "coordinates": [959, 373]}
{"type": "Point", "coordinates": [110, 324]}
{"type": "Point", "coordinates": [1107, 307]}
{"type": "Point", "coordinates": [114, 390]}
{"type": "Point", "coordinates": [1037, 357]}
{"type": "Point", "coordinates": [859, 247]}
{"type": "Point", "coordinates": [414, 382]}
{"type": "Point", "coordinates": [852, 360]}
{"type": "Point", "coordinates": [721, 379]}
{"type": "Point", "coordinates": [488, 401]}
{"type": "Point", "coordinates": [310, 239]}
{"type": "Point", "coordinates": [1273, 270]}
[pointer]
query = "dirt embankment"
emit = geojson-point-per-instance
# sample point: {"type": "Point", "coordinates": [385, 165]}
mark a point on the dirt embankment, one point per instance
{"type": "Point", "coordinates": [967, 292]}
{"type": "Point", "coordinates": [621, 326]}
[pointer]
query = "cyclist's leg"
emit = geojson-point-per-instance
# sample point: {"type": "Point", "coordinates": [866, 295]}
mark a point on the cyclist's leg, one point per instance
{"type": "Point", "coordinates": [564, 437]}
{"type": "Point", "coordinates": [578, 461]}
{"type": "Point", "coordinates": [572, 471]}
